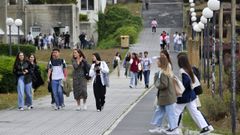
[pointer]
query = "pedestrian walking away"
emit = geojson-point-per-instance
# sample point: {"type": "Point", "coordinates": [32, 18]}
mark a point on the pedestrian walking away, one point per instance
{"type": "Point", "coordinates": [22, 71]}
{"type": "Point", "coordinates": [58, 71]}
{"type": "Point", "coordinates": [117, 62]}
{"type": "Point", "coordinates": [79, 64]}
{"type": "Point", "coordinates": [126, 64]}
{"type": "Point", "coordinates": [140, 66]}
{"type": "Point", "coordinates": [99, 73]}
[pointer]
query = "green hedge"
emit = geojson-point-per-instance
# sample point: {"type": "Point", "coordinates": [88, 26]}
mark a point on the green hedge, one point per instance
{"type": "Point", "coordinates": [7, 78]}
{"type": "Point", "coordinates": [83, 17]}
{"type": "Point", "coordinates": [115, 22]}
{"type": "Point", "coordinates": [27, 49]}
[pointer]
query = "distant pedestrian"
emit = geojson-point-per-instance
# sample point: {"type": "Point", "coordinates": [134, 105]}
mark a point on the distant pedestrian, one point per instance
{"type": "Point", "coordinates": [79, 81]}
{"type": "Point", "coordinates": [168, 41]}
{"type": "Point", "coordinates": [146, 68]}
{"type": "Point", "coordinates": [184, 37]}
{"type": "Point", "coordinates": [21, 69]}
{"type": "Point", "coordinates": [175, 39]}
{"type": "Point", "coordinates": [166, 99]}
{"type": "Point", "coordinates": [50, 40]}
{"type": "Point", "coordinates": [134, 70]}
{"type": "Point", "coordinates": [140, 66]}
{"type": "Point", "coordinates": [154, 25]}
{"type": "Point", "coordinates": [126, 64]}
{"type": "Point", "coordinates": [99, 73]}
{"type": "Point", "coordinates": [188, 98]}
{"type": "Point", "coordinates": [67, 40]}
{"type": "Point", "coordinates": [180, 43]}
{"type": "Point", "coordinates": [29, 38]}
{"type": "Point", "coordinates": [147, 5]}
{"type": "Point", "coordinates": [117, 62]}
{"type": "Point", "coordinates": [58, 71]}
{"type": "Point", "coordinates": [163, 40]}
{"type": "Point", "coordinates": [82, 38]}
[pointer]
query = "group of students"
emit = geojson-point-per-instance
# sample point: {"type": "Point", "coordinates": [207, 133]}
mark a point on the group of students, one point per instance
{"type": "Point", "coordinates": [180, 40]}
{"type": "Point", "coordinates": [137, 65]}
{"type": "Point", "coordinates": [171, 105]}
{"type": "Point", "coordinates": [25, 72]}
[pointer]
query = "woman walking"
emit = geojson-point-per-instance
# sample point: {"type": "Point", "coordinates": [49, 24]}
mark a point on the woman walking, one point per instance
{"type": "Point", "coordinates": [126, 64]}
{"type": "Point", "coordinates": [22, 72]}
{"type": "Point", "coordinates": [134, 70]}
{"type": "Point", "coordinates": [188, 98]}
{"type": "Point", "coordinates": [166, 96]}
{"type": "Point", "coordinates": [79, 80]}
{"type": "Point", "coordinates": [99, 72]}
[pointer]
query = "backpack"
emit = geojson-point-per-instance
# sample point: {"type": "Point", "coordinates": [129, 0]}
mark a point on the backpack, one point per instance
{"type": "Point", "coordinates": [86, 68]}
{"type": "Point", "coordinates": [115, 63]}
{"type": "Point", "coordinates": [198, 90]}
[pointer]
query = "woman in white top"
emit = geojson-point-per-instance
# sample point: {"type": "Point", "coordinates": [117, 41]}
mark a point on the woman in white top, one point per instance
{"type": "Point", "coordinates": [99, 72]}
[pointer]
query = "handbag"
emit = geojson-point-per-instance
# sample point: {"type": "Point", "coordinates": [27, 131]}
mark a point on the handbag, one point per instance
{"type": "Point", "coordinates": [106, 79]}
{"type": "Point", "coordinates": [179, 88]}
{"type": "Point", "coordinates": [196, 86]}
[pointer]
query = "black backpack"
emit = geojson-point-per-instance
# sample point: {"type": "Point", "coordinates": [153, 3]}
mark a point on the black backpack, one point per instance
{"type": "Point", "coordinates": [198, 90]}
{"type": "Point", "coordinates": [115, 63]}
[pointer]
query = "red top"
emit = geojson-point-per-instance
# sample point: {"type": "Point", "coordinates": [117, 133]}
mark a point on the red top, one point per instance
{"type": "Point", "coordinates": [134, 65]}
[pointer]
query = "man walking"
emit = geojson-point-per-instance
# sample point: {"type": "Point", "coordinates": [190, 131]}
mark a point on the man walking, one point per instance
{"type": "Point", "coordinates": [58, 71]}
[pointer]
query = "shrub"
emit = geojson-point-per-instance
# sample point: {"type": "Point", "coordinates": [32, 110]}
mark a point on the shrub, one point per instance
{"type": "Point", "coordinates": [7, 78]}
{"type": "Point", "coordinates": [215, 108]}
{"type": "Point", "coordinates": [83, 17]}
{"type": "Point", "coordinates": [108, 43]}
{"type": "Point", "coordinates": [128, 30]}
{"type": "Point", "coordinates": [27, 49]}
{"type": "Point", "coordinates": [114, 23]}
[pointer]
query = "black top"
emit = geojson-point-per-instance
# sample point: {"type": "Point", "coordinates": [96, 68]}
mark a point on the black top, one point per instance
{"type": "Point", "coordinates": [20, 67]}
{"type": "Point", "coordinates": [97, 68]}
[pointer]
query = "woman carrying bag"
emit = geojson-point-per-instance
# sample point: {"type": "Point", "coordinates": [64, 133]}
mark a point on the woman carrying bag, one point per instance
{"type": "Point", "coordinates": [99, 73]}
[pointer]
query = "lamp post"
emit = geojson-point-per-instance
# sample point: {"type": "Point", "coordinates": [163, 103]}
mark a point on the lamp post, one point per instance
{"type": "Point", "coordinates": [10, 22]}
{"type": "Point", "coordinates": [220, 24]}
{"type": "Point", "coordinates": [18, 23]}
{"type": "Point", "coordinates": [233, 52]}
{"type": "Point", "coordinates": [207, 13]}
{"type": "Point", "coordinates": [214, 5]}
{"type": "Point", "coordinates": [204, 21]}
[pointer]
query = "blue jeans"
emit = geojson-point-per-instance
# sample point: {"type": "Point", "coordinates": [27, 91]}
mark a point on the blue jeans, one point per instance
{"type": "Point", "coordinates": [21, 88]}
{"type": "Point", "coordinates": [57, 92]}
{"type": "Point", "coordinates": [160, 113]}
{"type": "Point", "coordinates": [134, 78]}
{"type": "Point", "coordinates": [146, 76]}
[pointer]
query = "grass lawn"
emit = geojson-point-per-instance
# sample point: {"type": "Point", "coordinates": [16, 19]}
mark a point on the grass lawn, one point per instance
{"type": "Point", "coordinates": [10, 100]}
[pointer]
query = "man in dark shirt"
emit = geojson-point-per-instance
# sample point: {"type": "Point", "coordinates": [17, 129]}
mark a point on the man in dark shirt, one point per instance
{"type": "Point", "coordinates": [82, 40]}
{"type": "Point", "coordinates": [67, 40]}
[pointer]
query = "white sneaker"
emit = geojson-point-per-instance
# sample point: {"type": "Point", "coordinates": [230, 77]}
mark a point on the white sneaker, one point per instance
{"type": "Point", "coordinates": [85, 107]}
{"type": "Point", "coordinates": [30, 107]}
{"type": "Point", "coordinates": [78, 108]}
{"type": "Point", "coordinates": [21, 109]}
{"type": "Point", "coordinates": [210, 127]}
{"type": "Point", "coordinates": [157, 130]}
{"type": "Point", "coordinates": [172, 131]}
{"type": "Point", "coordinates": [98, 110]}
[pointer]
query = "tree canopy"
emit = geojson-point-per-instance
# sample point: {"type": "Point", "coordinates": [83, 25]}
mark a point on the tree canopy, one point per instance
{"type": "Point", "coordinates": [52, 1]}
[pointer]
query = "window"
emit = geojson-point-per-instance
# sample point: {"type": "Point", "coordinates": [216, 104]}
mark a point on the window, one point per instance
{"type": "Point", "coordinates": [87, 4]}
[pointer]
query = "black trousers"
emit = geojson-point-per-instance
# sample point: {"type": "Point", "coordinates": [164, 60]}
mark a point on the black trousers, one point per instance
{"type": "Point", "coordinates": [99, 92]}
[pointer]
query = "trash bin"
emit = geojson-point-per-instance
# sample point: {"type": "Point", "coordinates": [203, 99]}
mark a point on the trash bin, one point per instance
{"type": "Point", "coordinates": [124, 41]}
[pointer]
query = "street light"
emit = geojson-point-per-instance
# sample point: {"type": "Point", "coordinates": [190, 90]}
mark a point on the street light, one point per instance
{"type": "Point", "coordinates": [204, 21]}
{"type": "Point", "coordinates": [213, 5]}
{"type": "Point", "coordinates": [192, 9]}
{"type": "Point", "coordinates": [207, 13]}
{"type": "Point", "coordinates": [18, 23]}
{"type": "Point", "coordinates": [194, 18]}
{"type": "Point", "coordinates": [192, 5]}
{"type": "Point", "coordinates": [10, 22]}
{"type": "Point", "coordinates": [193, 14]}
{"type": "Point", "coordinates": [190, 1]}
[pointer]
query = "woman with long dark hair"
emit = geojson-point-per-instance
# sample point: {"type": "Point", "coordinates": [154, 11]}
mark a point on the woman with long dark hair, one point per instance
{"type": "Point", "coordinates": [22, 71]}
{"type": "Point", "coordinates": [79, 80]}
{"type": "Point", "coordinates": [188, 98]}
{"type": "Point", "coordinates": [99, 73]}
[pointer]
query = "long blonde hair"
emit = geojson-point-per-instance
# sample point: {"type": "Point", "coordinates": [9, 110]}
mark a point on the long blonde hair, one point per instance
{"type": "Point", "coordinates": [164, 65]}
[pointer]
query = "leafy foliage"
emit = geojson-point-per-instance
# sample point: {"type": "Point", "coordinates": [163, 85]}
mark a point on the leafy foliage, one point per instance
{"type": "Point", "coordinates": [27, 49]}
{"type": "Point", "coordinates": [83, 17]}
{"type": "Point", "coordinates": [7, 78]}
{"type": "Point", "coordinates": [115, 22]}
